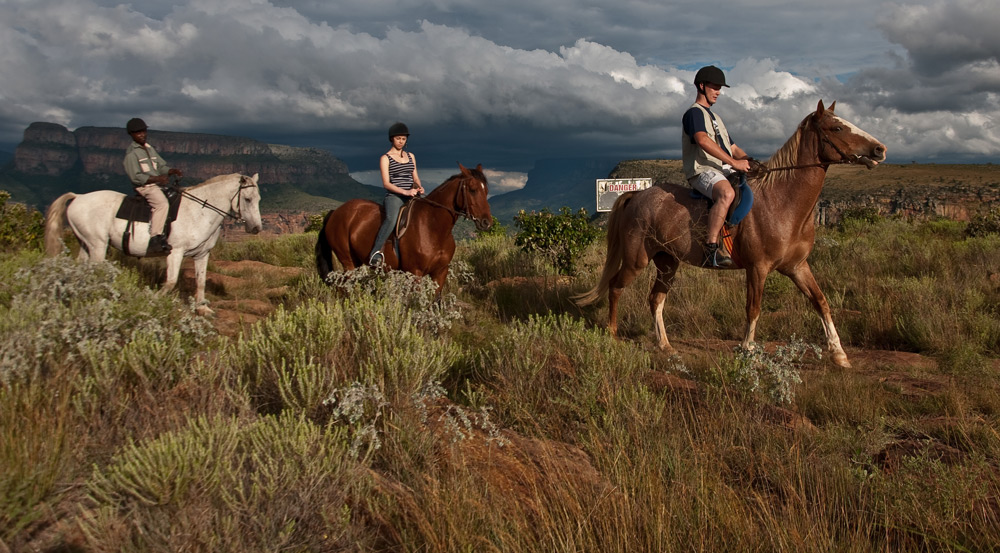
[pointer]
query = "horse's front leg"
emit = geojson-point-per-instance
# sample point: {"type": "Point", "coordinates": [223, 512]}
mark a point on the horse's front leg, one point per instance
{"type": "Point", "coordinates": [803, 278]}
{"type": "Point", "coordinates": [200, 275]}
{"type": "Point", "coordinates": [755, 292]}
{"type": "Point", "coordinates": [174, 260]}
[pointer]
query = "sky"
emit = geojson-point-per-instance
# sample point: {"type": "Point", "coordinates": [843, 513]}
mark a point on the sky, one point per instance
{"type": "Point", "coordinates": [506, 82]}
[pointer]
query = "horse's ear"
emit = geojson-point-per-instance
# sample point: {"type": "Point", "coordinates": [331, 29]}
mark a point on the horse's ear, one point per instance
{"type": "Point", "coordinates": [255, 177]}
{"type": "Point", "coordinates": [820, 109]}
{"type": "Point", "coordinates": [831, 106]}
{"type": "Point", "coordinates": [479, 167]}
{"type": "Point", "coordinates": [463, 169]}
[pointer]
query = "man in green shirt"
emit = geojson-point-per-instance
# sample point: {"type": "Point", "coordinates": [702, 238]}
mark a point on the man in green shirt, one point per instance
{"type": "Point", "coordinates": [148, 171]}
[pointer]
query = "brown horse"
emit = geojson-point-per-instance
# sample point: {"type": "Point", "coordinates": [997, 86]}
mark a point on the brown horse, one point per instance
{"type": "Point", "coordinates": [427, 246]}
{"type": "Point", "coordinates": [665, 224]}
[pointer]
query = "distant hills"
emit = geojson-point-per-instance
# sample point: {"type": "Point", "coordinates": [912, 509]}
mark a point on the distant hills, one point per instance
{"type": "Point", "coordinates": [52, 160]}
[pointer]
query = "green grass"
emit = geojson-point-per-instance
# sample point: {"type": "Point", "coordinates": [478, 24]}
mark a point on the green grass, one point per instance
{"type": "Point", "coordinates": [503, 418]}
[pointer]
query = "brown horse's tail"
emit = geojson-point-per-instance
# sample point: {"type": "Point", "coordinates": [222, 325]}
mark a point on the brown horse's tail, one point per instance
{"type": "Point", "coordinates": [613, 262]}
{"type": "Point", "coordinates": [54, 224]}
{"type": "Point", "coordinates": [324, 255]}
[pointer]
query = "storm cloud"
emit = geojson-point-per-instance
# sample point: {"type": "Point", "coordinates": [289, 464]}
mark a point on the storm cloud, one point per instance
{"type": "Point", "coordinates": [505, 83]}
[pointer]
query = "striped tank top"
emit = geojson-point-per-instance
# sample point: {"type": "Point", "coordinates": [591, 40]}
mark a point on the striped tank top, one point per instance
{"type": "Point", "coordinates": [401, 174]}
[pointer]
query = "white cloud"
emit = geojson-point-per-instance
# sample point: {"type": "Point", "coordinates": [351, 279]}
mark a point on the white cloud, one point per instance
{"type": "Point", "coordinates": [558, 79]}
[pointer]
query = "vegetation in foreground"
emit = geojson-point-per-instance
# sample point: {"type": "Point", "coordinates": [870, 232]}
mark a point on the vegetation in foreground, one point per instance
{"type": "Point", "coordinates": [362, 417]}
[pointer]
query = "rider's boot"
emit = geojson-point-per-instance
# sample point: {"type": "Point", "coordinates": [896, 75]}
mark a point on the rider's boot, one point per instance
{"type": "Point", "coordinates": [158, 245]}
{"type": "Point", "coordinates": [716, 257]}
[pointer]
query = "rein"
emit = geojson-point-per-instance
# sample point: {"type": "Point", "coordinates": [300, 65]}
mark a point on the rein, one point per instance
{"type": "Point", "coordinates": [204, 203]}
{"type": "Point", "coordinates": [757, 168]}
{"type": "Point", "coordinates": [454, 213]}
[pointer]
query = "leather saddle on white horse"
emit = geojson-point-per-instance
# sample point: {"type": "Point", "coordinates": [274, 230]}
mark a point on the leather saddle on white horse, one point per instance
{"type": "Point", "coordinates": [135, 209]}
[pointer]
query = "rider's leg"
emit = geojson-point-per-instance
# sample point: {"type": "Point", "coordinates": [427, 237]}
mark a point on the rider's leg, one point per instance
{"type": "Point", "coordinates": [716, 186]}
{"type": "Point", "coordinates": [722, 195]}
{"type": "Point", "coordinates": [392, 204]}
{"type": "Point", "coordinates": [159, 205]}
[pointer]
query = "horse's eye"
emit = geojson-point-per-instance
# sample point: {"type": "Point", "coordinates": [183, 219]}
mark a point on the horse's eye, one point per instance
{"type": "Point", "coordinates": [838, 128]}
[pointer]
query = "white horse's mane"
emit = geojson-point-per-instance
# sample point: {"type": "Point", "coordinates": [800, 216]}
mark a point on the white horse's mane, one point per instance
{"type": "Point", "coordinates": [213, 180]}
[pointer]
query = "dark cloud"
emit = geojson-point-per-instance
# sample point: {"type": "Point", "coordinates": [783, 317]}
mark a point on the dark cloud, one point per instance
{"type": "Point", "coordinates": [502, 83]}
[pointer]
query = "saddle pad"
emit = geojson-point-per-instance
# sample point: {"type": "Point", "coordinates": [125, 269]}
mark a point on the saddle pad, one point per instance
{"type": "Point", "coordinates": [741, 203]}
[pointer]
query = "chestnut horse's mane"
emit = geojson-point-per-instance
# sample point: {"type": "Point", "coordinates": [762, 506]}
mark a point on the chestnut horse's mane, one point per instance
{"type": "Point", "coordinates": [786, 156]}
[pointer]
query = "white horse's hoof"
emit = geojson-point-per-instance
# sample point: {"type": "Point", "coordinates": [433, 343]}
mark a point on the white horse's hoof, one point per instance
{"type": "Point", "coordinates": [204, 310]}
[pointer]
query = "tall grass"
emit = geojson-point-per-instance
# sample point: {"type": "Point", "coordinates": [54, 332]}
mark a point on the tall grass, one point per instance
{"type": "Point", "coordinates": [367, 417]}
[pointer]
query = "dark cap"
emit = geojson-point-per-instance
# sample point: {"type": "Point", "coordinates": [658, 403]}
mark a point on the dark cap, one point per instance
{"type": "Point", "coordinates": [135, 125]}
{"type": "Point", "coordinates": [710, 74]}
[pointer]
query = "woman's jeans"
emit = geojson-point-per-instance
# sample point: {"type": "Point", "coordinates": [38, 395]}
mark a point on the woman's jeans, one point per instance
{"type": "Point", "coordinates": [393, 203]}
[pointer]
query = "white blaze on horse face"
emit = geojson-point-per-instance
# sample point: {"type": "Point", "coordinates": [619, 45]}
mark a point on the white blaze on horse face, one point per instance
{"type": "Point", "coordinates": [863, 134]}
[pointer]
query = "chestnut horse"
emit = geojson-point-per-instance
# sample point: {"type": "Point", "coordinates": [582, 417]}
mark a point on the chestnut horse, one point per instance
{"type": "Point", "coordinates": [426, 247]}
{"type": "Point", "coordinates": [665, 224]}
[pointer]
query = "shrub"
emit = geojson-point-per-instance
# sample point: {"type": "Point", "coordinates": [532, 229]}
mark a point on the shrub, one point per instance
{"type": "Point", "coordinates": [20, 226]}
{"type": "Point", "coordinates": [315, 223]}
{"type": "Point", "coordinates": [560, 237]}
{"type": "Point", "coordinates": [275, 484]}
{"type": "Point", "coordinates": [986, 223]}
{"type": "Point", "coordinates": [60, 309]}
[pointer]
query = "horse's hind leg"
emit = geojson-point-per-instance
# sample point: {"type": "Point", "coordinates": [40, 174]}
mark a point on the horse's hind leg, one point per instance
{"type": "Point", "coordinates": [803, 277]}
{"type": "Point", "coordinates": [616, 286]}
{"type": "Point", "coordinates": [666, 268]}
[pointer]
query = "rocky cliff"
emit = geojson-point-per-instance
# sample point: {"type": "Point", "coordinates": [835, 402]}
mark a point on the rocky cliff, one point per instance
{"type": "Point", "coordinates": [52, 159]}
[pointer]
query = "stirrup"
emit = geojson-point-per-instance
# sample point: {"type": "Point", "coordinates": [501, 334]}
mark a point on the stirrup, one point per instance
{"type": "Point", "coordinates": [377, 260]}
{"type": "Point", "coordinates": [716, 257]}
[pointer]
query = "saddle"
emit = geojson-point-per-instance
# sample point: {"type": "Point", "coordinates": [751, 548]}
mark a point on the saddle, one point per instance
{"type": "Point", "coordinates": [401, 225]}
{"type": "Point", "coordinates": [135, 209]}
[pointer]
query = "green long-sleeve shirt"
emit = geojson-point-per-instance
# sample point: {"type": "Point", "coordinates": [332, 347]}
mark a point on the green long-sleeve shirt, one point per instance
{"type": "Point", "coordinates": [142, 163]}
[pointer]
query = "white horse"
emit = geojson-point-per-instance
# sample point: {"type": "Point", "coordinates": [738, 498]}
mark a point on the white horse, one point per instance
{"type": "Point", "coordinates": [202, 210]}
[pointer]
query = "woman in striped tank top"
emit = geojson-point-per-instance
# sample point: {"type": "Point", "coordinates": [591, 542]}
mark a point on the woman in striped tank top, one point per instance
{"type": "Point", "coordinates": [401, 182]}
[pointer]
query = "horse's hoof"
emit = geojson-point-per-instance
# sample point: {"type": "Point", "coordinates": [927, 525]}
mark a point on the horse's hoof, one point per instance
{"type": "Point", "coordinates": [840, 359]}
{"type": "Point", "coordinates": [204, 310]}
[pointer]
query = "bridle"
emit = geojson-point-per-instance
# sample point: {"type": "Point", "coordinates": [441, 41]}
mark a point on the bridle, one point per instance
{"type": "Point", "coordinates": [758, 169]}
{"type": "Point", "coordinates": [453, 212]}
{"type": "Point", "coordinates": [245, 182]}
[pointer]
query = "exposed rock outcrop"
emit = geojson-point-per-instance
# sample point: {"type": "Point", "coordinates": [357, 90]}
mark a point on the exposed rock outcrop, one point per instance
{"type": "Point", "coordinates": [52, 159]}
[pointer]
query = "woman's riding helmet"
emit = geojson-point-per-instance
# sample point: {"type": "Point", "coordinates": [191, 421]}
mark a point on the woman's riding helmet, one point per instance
{"type": "Point", "coordinates": [398, 129]}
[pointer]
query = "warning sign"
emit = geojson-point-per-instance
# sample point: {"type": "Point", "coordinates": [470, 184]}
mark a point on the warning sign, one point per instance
{"type": "Point", "coordinates": [608, 190]}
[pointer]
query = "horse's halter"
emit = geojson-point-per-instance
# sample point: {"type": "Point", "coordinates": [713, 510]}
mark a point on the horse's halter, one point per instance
{"type": "Point", "coordinates": [238, 218]}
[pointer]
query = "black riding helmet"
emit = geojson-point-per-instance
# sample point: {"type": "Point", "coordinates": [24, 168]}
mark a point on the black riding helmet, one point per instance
{"type": "Point", "coordinates": [710, 74]}
{"type": "Point", "coordinates": [135, 125]}
{"type": "Point", "coordinates": [398, 129]}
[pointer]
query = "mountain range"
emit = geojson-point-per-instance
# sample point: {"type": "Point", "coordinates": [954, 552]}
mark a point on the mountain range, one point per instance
{"type": "Point", "coordinates": [52, 160]}
{"type": "Point", "coordinates": [298, 182]}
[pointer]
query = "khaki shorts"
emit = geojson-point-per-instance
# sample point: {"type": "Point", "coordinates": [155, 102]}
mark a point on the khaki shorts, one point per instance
{"type": "Point", "coordinates": [705, 181]}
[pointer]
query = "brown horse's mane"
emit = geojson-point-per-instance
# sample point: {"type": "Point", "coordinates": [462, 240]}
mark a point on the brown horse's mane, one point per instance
{"type": "Point", "coordinates": [460, 179]}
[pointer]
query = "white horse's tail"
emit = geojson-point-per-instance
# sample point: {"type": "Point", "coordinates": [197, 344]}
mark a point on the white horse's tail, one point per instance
{"type": "Point", "coordinates": [54, 224]}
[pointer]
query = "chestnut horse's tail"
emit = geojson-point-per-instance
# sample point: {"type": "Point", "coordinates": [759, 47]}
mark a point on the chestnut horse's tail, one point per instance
{"type": "Point", "coordinates": [54, 224]}
{"type": "Point", "coordinates": [324, 255]}
{"type": "Point", "coordinates": [613, 262]}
